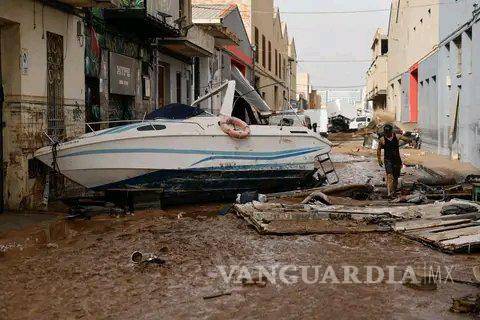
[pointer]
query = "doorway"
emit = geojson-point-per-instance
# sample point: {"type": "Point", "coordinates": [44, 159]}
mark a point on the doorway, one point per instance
{"type": "Point", "coordinates": [161, 86]}
{"type": "Point", "coordinates": [55, 107]}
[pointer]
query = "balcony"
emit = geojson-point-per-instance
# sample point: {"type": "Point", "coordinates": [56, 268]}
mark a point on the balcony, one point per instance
{"type": "Point", "coordinates": [148, 18]}
{"type": "Point", "coordinates": [197, 43]}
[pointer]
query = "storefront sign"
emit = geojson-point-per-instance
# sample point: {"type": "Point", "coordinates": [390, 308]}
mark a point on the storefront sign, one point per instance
{"type": "Point", "coordinates": [123, 74]}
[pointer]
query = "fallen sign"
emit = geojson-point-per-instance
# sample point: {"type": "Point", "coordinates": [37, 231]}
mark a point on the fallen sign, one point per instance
{"type": "Point", "coordinates": [281, 219]}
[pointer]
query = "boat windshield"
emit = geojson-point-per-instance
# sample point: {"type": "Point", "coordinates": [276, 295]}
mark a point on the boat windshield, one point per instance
{"type": "Point", "coordinates": [175, 111]}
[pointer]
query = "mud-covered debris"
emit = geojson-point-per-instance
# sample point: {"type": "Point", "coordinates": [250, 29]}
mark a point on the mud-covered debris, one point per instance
{"type": "Point", "coordinates": [316, 197]}
{"type": "Point", "coordinates": [458, 208]}
{"type": "Point", "coordinates": [259, 281]}
{"type": "Point", "coordinates": [422, 281]}
{"type": "Point", "coordinates": [468, 304]}
{"type": "Point", "coordinates": [141, 259]}
{"type": "Point", "coordinates": [217, 295]}
{"type": "Point", "coordinates": [415, 198]}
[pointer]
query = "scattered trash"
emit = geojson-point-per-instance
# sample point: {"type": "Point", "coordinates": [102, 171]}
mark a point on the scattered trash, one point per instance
{"type": "Point", "coordinates": [458, 208]}
{"type": "Point", "coordinates": [422, 281]}
{"type": "Point", "coordinates": [259, 281]}
{"type": "Point", "coordinates": [250, 196]}
{"type": "Point", "coordinates": [317, 197]}
{"type": "Point", "coordinates": [217, 295]}
{"type": "Point", "coordinates": [468, 304]}
{"type": "Point", "coordinates": [138, 258]}
{"type": "Point", "coordinates": [225, 210]}
{"type": "Point", "coordinates": [416, 198]}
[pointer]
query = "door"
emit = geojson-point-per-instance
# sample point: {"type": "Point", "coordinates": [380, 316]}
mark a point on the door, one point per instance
{"type": "Point", "coordinates": [414, 94]}
{"type": "Point", "coordinates": [55, 116]}
{"type": "Point", "coordinates": [179, 87]}
{"type": "Point", "coordinates": [161, 86]}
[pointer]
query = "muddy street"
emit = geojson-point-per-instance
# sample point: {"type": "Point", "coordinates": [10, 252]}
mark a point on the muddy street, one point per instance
{"type": "Point", "coordinates": [82, 269]}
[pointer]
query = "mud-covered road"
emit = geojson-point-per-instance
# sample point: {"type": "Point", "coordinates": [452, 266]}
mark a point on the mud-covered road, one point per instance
{"type": "Point", "coordinates": [82, 269]}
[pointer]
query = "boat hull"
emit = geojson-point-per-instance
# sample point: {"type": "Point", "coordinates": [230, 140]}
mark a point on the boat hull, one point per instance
{"type": "Point", "coordinates": [189, 158]}
{"type": "Point", "coordinates": [203, 184]}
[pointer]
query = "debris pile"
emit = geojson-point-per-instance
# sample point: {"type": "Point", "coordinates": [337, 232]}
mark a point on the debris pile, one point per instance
{"type": "Point", "coordinates": [450, 226]}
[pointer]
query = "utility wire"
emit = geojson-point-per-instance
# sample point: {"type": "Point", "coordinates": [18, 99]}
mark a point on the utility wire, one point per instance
{"type": "Point", "coordinates": [332, 61]}
{"type": "Point", "coordinates": [327, 12]}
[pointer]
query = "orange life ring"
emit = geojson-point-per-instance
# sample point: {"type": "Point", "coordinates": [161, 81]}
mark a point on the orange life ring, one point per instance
{"type": "Point", "coordinates": [234, 127]}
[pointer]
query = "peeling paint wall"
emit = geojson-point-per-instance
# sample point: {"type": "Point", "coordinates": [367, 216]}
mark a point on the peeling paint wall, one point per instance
{"type": "Point", "coordinates": [23, 30]}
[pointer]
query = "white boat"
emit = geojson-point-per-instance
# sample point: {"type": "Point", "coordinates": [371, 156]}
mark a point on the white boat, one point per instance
{"type": "Point", "coordinates": [189, 156]}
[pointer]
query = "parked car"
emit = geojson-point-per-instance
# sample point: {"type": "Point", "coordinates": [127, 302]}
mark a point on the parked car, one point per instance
{"type": "Point", "coordinates": [290, 120]}
{"type": "Point", "coordinates": [359, 122]}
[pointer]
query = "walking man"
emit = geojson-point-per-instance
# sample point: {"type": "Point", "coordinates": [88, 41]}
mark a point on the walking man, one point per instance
{"type": "Point", "coordinates": [392, 160]}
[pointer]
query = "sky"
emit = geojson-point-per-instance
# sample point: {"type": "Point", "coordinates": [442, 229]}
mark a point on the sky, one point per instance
{"type": "Point", "coordinates": [334, 37]}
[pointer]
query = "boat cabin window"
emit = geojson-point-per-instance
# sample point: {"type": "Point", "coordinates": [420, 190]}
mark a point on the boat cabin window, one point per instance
{"type": "Point", "coordinates": [151, 127]}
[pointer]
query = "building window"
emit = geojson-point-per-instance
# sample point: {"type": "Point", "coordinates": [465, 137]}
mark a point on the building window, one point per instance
{"type": "Point", "coordinates": [264, 53]}
{"type": "Point", "coordinates": [284, 69]}
{"type": "Point", "coordinates": [269, 56]}
{"type": "Point", "coordinates": [384, 46]}
{"type": "Point", "coordinates": [276, 62]}
{"type": "Point", "coordinates": [279, 64]}
{"type": "Point", "coordinates": [458, 45]}
{"type": "Point", "coordinates": [257, 45]}
{"type": "Point", "coordinates": [275, 97]}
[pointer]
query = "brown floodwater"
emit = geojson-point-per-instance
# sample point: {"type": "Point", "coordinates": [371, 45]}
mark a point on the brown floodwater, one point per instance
{"type": "Point", "coordinates": [58, 269]}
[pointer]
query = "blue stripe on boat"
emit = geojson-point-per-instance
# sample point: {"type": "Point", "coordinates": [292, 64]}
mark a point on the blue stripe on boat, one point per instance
{"type": "Point", "coordinates": [233, 154]}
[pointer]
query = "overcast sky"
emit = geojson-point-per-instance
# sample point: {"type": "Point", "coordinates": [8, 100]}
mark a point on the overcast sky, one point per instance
{"type": "Point", "coordinates": [334, 36]}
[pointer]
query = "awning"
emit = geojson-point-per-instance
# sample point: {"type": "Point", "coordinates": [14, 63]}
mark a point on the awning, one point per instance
{"type": "Point", "coordinates": [245, 89]}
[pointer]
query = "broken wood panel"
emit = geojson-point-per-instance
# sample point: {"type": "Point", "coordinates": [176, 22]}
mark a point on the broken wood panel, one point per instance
{"type": "Point", "coordinates": [424, 233]}
{"type": "Point", "coordinates": [452, 234]}
{"type": "Point", "coordinates": [464, 243]}
{"type": "Point", "coordinates": [423, 224]}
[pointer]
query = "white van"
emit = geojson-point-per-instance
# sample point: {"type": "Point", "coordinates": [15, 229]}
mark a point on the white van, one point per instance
{"type": "Point", "coordinates": [359, 122]}
{"type": "Point", "coordinates": [319, 118]}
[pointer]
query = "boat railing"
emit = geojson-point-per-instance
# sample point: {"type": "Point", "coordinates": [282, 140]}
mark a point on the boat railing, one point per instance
{"type": "Point", "coordinates": [93, 131]}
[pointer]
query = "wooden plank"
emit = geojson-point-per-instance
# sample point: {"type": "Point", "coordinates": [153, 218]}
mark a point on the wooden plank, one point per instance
{"type": "Point", "coordinates": [428, 231]}
{"type": "Point", "coordinates": [423, 223]}
{"type": "Point", "coordinates": [452, 234]}
{"type": "Point", "coordinates": [464, 242]}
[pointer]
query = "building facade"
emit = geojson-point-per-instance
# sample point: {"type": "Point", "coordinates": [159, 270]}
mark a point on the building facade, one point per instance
{"type": "Point", "coordinates": [232, 48]}
{"type": "Point", "coordinates": [275, 53]}
{"type": "Point", "coordinates": [449, 85]}
{"type": "Point", "coordinates": [412, 36]}
{"type": "Point", "coordinates": [303, 90]}
{"type": "Point", "coordinates": [66, 63]}
{"type": "Point", "coordinates": [42, 51]}
{"type": "Point", "coordinates": [376, 90]}
{"type": "Point", "coordinates": [434, 74]}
